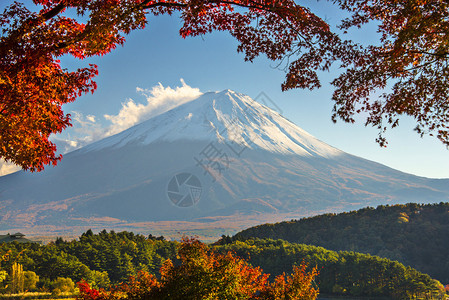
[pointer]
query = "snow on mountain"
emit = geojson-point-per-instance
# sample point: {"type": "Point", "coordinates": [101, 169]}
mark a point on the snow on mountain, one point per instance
{"type": "Point", "coordinates": [219, 117]}
{"type": "Point", "coordinates": [135, 179]}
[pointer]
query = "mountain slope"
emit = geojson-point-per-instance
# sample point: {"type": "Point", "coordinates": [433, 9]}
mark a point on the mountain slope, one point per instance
{"type": "Point", "coordinates": [252, 165]}
{"type": "Point", "coordinates": [223, 117]}
{"type": "Point", "coordinates": [413, 234]}
{"type": "Point", "coordinates": [349, 274]}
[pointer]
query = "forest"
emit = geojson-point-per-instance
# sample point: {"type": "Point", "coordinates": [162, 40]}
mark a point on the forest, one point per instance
{"type": "Point", "coordinates": [383, 252]}
{"type": "Point", "coordinates": [413, 234]}
{"type": "Point", "coordinates": [104, 261]}
{"type": "Point", "coordinates": [341, 273]}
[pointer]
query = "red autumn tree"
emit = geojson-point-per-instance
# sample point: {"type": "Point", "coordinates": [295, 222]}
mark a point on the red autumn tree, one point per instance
{"type": "Point", "coordinates": [410, 64]}
{"type": "Point", "coordinates": [297, 286]}
{"type": "Point", "coordinates": [34, 86]}
{"type": "Point", "coordinates": [409, 68]}
{"type": "Point", "coordinates": [204, 274]}
{"type": "Point", "coordinates": [88, 293]}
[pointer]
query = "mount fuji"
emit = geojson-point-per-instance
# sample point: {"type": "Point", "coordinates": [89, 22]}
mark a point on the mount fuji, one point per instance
{"type": "Point", "coordinates": [221, 161]}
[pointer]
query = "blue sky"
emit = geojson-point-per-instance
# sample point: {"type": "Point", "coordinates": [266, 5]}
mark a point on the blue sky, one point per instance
{"type": "Point", "coordinates": [158, 54]}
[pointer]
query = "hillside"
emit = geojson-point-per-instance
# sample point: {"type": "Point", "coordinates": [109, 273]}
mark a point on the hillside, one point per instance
{"type": "Point", "coordinates": [109, 257]}
{"type": "Point", "coordinates": [251, 166]}
{"type": "Point", "coordinates": [413, 234]}
{"type": "Point", "coordinates": [340, 273]}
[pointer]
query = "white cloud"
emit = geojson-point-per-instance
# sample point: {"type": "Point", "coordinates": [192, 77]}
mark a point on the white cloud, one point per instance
{"type": "Point", "coordinates": [86, 129]}
{"type": "Point", "coordinates": [91, 118]}
{"type": "Point", "coordinates": [65, 145]}
{"type": "Point", "coordinates": [159, 100]}
{"type": "Point", "coordinates": [7, 168]}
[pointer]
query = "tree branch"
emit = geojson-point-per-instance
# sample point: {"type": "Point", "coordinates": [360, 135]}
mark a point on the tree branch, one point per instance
{"type": "Point", "coordinates": [145, 5]}
{"type": "Point", "coordinates": [53, 12]}
{"type": "Point", "coordinates": [441, 55]}
{"type": "Point", "coordinates": [33, 22]}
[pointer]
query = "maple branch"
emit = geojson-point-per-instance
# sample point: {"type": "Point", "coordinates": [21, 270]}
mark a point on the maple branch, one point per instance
{"type": "Point", "coordinates": [393, 74]}
{"type": "Point", "coordinates": [259, 6]}
{"type": "Point", "coordinates": [53, 12]}
{"type": "Point", "coordinates": [141, 6]}
{"type": "Point", "coordinates": [270, 9]}
{"type": "Point", "coordinates": [441, 55]}
{"type": "Point", "coordinates": [145, 5]}
{"type": "Point", "coordinates": [254, 6]}
{"type": "Point", "coordinates": [33, 22]}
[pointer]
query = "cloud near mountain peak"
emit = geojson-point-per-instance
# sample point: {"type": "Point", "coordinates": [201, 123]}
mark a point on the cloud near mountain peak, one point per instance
{"type": "Point", "coordinates": [88, 128]}
{"type": "Point", "coordinates": [159, 100]}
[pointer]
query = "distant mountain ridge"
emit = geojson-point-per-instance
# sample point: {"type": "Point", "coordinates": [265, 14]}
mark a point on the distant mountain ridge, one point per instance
{"type": "Point", "coordinates": [252, 165]}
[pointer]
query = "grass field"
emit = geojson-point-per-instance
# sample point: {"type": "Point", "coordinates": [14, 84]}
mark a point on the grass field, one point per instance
{"type": "Point", "coordinates": [36, 296]}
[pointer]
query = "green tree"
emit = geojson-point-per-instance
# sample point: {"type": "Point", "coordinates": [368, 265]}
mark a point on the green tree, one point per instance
{"type": "Point", "coordinates": [17, 278]}
{"type": "Point", "coordinates": [98, 279]}
{"type": "Point", "coordinates": [377, 231]}
{"type": "Point", "coordinates": [204, 274]}
{"type": "Point", "coordinates": [30, 280]}
{"type": "Point", "coordinates": [3, 275]}
{"type": "Point", "coordinates": [343, 272]}
{"type": "Point", "coordinates": [63, 285]}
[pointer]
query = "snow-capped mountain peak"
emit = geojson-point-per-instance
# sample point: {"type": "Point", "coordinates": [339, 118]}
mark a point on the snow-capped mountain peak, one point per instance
{"type": "Point", "coordinates": [137, 179]}
{"type": "Point", "coordinates": [225, 116]}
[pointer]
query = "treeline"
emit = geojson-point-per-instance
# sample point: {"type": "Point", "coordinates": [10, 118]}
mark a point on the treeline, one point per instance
{"type": "Point", "coordinates": [205, 274]}
{"type": "Point", "coordinates": [109, 258]}
{"type": "Point", "coordinates": [413, 234]}
{"type": "Point", "coordinates": [100, 259]}
{"type": "Point", "coordinates": [340, 273]}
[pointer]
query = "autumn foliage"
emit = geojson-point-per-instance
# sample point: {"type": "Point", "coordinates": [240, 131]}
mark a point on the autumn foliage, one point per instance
{"type": "Point", "coordinates": [34, 86]}
{"type": "Point", "coordinates": [204, 274]}
{"type": "Point", "coordinates": [405, 73]}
